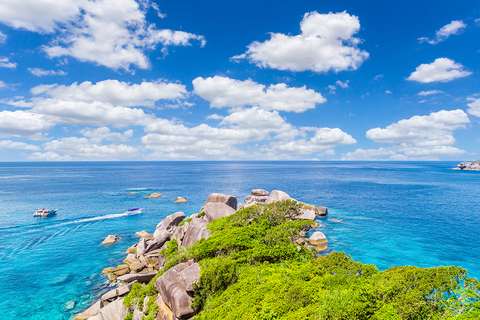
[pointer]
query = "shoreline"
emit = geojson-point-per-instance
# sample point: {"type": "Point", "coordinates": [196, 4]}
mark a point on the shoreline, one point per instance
{"type": "Point", "coordinates": [145, 261]}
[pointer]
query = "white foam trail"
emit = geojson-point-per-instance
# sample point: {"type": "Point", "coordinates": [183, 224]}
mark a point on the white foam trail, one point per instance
{"type": "Point", "coordinates": [108, 216]}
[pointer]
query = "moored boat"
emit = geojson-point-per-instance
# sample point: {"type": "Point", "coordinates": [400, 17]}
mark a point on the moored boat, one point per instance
{"type": "Point", "coordinates": [44, 212]}
{"type": "Point", "coordinates": [133, 211]}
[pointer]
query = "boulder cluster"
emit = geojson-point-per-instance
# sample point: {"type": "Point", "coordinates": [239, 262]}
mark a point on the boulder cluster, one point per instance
{"type": "Point", "coordinates": [474, 166]}
{"type": "Point", "coordinates": [175, 287]}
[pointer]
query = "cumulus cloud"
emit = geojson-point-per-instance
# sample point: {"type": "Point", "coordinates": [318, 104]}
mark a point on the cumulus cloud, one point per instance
{"type": "Point", "coordinates": [474, 106]}
{"type": "Point", "coordinates": [8, 144]}
{"type": "Point", "coordinates": [326, 43]}
{"type": "Point", "coordinates": [403, 152]}
{"type": "Point", "coordinates": [105, 103]}
{"type": "Point", "coordinates": [432, 130]}
{"type": "Point", "coordinates": [114, 34]}
{"type": "Point", "coordinates": [342, 84]}
{"type": "Point", "coordinates": [5, 63]}
{"type": "Point", "coordinates": [42, 72]}
{"type": "Point", "coordinates": [429, 92]}
{"type": "Point", "coordinates": [23, 124]}
{"type": "Point", "coordinates": [272, 135]}
{"type": "Point", "coordinates": [324, 138]}
{"type": "Point", "coordinates": [86, 149]}
{"type": "Point", "coordinates": [453, 28]}
{"type": "Point", "coordinates": [114, 92]}
{"type": "Point", "coordinates": [49, 156]}
{"type": "Point", "coordinates": [441, 70]}
{"type": "Point", "coordinates": [225, 92]}
{"type": "Point", "coordinates": [104, 133]}
{"type": "Point", "coordinates": [420, 137]}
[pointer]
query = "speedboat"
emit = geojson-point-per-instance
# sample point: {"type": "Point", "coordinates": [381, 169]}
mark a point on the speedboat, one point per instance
{"type": "Point", "coordinates": [133, 211]}
{"type": "Point", "coordinates": [43, 213]}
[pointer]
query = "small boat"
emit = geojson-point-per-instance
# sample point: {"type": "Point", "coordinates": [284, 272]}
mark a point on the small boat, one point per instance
{"type": "Point", "coordinates": [133, 211]}
{"type": "Point", "coordinates": [44, 213]}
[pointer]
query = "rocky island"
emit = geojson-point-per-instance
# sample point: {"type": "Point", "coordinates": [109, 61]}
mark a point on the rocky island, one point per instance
{"type": "Point", "coordinates": [472, 166]}
{"type": "Point", "coordinates": [260, 260]}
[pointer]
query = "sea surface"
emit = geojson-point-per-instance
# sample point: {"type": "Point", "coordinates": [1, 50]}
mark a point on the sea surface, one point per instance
{"type": "Point", "coordinates": [385, 213]}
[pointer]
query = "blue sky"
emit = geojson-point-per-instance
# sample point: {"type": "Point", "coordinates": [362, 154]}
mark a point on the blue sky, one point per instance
{"type": "Point", "coordinates": [239, 80]}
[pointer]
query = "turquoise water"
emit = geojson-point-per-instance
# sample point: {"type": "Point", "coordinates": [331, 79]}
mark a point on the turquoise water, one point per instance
{"type": "Point", "coordinates": [392, 213]}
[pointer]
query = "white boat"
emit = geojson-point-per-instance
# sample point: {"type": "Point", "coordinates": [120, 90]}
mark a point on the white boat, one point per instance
{"type": "Point", "coordinates": [133, 211]}
{"type": "Point", "coordinates": [44, 213]}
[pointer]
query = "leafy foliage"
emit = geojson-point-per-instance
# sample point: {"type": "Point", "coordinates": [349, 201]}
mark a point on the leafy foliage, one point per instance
{"type": "Point", "coordinates": [251, 269]}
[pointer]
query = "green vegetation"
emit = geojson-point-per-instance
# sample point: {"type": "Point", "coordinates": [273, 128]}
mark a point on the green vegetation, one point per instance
{"type": "Point", "coordinates": [251, 269]}
{"type": "Point", "coordinates": [201, 214]}
{"type": "Point", "coordinates": [184, 221]}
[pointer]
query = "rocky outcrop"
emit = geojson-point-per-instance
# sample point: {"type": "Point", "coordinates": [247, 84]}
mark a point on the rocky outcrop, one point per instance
{"type": "Point", "coordinates": [155, 195]}
{"type": "Point", "coordinates": [230, 201]}
{"type": "Point", "coordinates": [180, 200]}
{"type": "Point", "coordinates": [472, 166]}
{"type": "Point", "coordinates": [197, 229]}
{"type": "Point", "coordinates": [168, 223]}
{"type": "Point", "coordinates": [175, 287]}
{"type": "Point", "coordinates": [217, 210]}
{"type": "Point", "coordinates": [277, 195]}
{"type": "Point", "coordinates": [110, 239]}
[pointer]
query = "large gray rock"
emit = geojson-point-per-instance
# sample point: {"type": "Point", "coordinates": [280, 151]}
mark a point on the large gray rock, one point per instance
{"type": "Point", "coordinates": [158, 241]}
{"type": "Point", "coordinates": [320, 211]}
{"type": "Point", "coordinates": [197, 229]}
{"type": "Point", "coordinates": [179, 232]}
{"type": "Point", "coordinates": [190, 275]}
{"type": "Point", "coordinates": [217, 210]}
{"type": "Point", "coordinates": [140, 277]}
{"type": "Point", "coordinates": [259, 192]}
{"type": "Point", "coordinates": [317, 238]}
{"type": "Point", "coordinates": [230, 201]}
{"type": "Point", "coordinates": [113, 311]}
{"type": "Point", "coordinates": [277, 195]}
{"type": "Point", "coordinates": [169, 222]}
{"type": "Point", "coordinates": [306, 214]}
{"type": "Point", "coordinates": [141, 247]}
{"type": "Point", "coordinates": [172, 286]}
{"type": "Point", "coordinates": [120, 291]}
{"type": "Point", "coordinates": [92, 310]}
{"type": "Point", "coordinates": [164, 312]}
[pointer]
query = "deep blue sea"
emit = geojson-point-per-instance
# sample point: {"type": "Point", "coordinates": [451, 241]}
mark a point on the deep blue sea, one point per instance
{"type": "Point", "coordinates": [393, 213]}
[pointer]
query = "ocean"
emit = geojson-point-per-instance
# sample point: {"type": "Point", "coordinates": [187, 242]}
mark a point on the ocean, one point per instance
{"type": "Point", "coordinates": [385, 213]}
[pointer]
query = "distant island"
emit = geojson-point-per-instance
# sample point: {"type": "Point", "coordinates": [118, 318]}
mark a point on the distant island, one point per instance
{"type": "Point", "coordinates": [474, 166]}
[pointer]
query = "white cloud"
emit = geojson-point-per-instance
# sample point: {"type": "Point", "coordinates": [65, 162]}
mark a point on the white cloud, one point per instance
{"type": "Point", "coordinates": [104, 103]}
{"type": "Point", "coordinates": [8, 144]}
{"type": "Point", "coordinates": [332, 89]}
{"type": "Point", "coordinates": [453, 28]}
{"type": "Point", "coordinates": [114, 34]}
{"type": "Point", "coordinates": [42, 72]}
{"type": "Point", "coordinates": [23, 124]}
{"type": "Point", "coordinates": [86, 149]}
{"type": "Point", "coordinates": [3, 37]}
{"type": "Point", "coordinates": [215, 117]}
{"type": "Point", "coordinates": [418, 138]}
{"type": "Point", "coordinates": [230, 93]}
{"type": "Point", "coordinates": [378, 77]}
{"type": "Point", "coordinates": [441, 70]}
{"type": "Point", "coordinates": [474, 106]}
{"type": "Point", "coordinates": [49, 156]}
{"type": "Point", "coordinates": [326, 43]}
{"type": "Point", "coordinates": [2, 84]}
{"type": "Point", "coordinates": [422, 131]}
{"type": "Point", "coordinates": [114, 92]}
{"type": "Point", "coordinates": [429, 92]}
{"type": "Point", "coordinates": [403, 152]}
{"type": "Point", "coordinates": [342, 84]}
{"type": "Point", "coordinates": [104, 133]}
{"type": "Point", "coordinates": [5, 63]}
{"type": "Point", "coordinates": [324, 138]}
{"type": "Point", "coordinates": [388, 92]}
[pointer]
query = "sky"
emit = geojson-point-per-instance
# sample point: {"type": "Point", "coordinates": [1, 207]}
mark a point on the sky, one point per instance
{"type": "Point", "coordinates": [149, 80]}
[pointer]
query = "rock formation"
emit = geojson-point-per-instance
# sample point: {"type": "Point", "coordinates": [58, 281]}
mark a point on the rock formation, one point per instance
{"type": "Point", "coordinates": [175, 286]}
